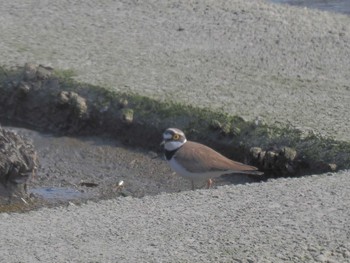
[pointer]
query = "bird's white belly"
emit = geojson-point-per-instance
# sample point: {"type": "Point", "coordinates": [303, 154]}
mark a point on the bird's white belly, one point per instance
{"type": "Point", "coordinates": [191, 176]}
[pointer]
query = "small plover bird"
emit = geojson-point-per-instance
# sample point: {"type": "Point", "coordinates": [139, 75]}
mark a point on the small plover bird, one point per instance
{"type": "Point", "coordinates": [197, 162]}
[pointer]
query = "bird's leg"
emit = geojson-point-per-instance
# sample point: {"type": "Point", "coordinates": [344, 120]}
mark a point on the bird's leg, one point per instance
{"type": "Point", "coordinates": [192, 185]}
{"type": "Point", "coordinates": [209, 183]}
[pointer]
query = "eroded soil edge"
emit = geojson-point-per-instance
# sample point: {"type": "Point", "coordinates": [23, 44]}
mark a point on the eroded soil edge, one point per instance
{"type": "Point", "coordinates": [49, 100]}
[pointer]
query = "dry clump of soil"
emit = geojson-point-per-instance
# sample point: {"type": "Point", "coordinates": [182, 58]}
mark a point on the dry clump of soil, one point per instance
{"type": "Point", "coordinates": [34, 97]}
{"type": "Point", "coordinates": [18, 163]}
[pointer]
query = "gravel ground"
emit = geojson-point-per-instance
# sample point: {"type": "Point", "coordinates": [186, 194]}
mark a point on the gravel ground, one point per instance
{"type": "Point", "coordinates": [250, 58]}
{"type": "Point", "coordinates": [285, 220]}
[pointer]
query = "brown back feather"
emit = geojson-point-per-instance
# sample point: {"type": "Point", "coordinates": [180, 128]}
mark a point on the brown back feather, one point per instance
{"type": "Point", "coordinates": [191, 155]}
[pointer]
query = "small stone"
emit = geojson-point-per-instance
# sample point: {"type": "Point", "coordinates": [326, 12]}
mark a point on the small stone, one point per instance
{"type": "Point", "coordinates": [63, 97]}
{"type": "Point", "coordinates": [289, 153]}
{"type": "Point", "coordinates": [127, 115]}
{"type": "Point", "coordinates": [332, 167]}
{"type": "Point", "coordinates": [123, 102]}
{"type": "Point", "coordinates": [80, 106]}
{"type": "Point", "coordinates": [255, 152]}
{"type": "Point", "coordinates": [30, 70]}
{"type": "Point", "coordinates": [43, 72]}
{"type": "Point", "coordinates": [77, 103]}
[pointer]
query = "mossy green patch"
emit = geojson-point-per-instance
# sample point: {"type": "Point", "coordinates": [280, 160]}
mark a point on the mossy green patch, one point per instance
{"type": "Point", "coordinates": [65, 74]}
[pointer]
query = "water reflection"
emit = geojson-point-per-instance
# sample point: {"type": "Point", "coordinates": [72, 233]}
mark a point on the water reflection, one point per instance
{"type": "Point", "coordinates": [340, 6]}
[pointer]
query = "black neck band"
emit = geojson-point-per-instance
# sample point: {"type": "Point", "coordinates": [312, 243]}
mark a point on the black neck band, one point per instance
{"type": "Point", "coordinates": [169, 154]}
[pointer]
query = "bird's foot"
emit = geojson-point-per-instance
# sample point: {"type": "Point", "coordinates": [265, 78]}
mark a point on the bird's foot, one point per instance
{"type": "Point", "coordinates": [209, 183]}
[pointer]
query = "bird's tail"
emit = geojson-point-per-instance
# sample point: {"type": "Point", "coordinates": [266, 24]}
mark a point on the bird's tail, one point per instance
{"type": "Point", "coordinates": [251, 172]}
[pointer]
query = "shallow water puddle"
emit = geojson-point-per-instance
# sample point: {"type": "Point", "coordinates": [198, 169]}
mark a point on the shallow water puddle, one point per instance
{"type": "Point", "coordinates": [58, 193]}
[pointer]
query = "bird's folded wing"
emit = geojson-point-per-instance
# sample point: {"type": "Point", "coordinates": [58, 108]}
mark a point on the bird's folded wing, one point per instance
{"type": "Point", "coordinates": [198, 158]}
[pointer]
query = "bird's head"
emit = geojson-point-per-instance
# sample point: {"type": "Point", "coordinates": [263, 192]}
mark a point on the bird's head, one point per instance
{"type": "Point", "coordinates": [173, 139]}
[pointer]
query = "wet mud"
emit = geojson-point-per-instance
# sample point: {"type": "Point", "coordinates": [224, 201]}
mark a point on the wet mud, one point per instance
{"type": "Point", "coordinates": [77, 169]}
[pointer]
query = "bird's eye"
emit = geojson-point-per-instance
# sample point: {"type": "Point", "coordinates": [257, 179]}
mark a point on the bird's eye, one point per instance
{"type": "Point", "coordinates": [176, 137]}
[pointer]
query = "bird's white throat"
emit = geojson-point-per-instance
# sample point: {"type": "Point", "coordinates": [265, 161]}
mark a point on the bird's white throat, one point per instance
{"type": "Point", "coordinates": [173, 145]}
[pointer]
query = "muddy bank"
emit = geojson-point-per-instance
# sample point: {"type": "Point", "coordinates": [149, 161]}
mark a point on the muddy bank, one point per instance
{"type": "Point", "coordinates": [74, 170]}
{"type": "Point", "coordinates": [90, 168]}
{"type": "Point", "coordinates": [100, 123]}
{"type": "Point", "coordinates": [37, 96]}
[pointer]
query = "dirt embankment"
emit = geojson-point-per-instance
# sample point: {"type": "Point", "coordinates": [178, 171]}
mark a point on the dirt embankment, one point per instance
{"type": "Point", "coordinates": [34, 95]}
{"type": "Point", "coordinates": [49, 101]}
{"type": "Point", "coordinates": [37, 97]}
